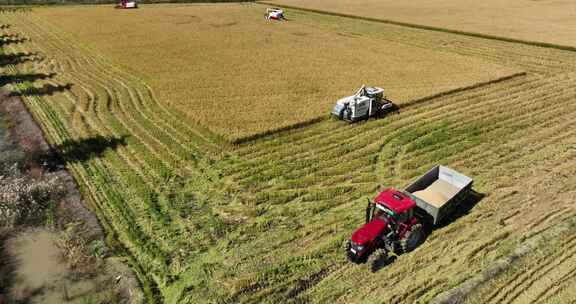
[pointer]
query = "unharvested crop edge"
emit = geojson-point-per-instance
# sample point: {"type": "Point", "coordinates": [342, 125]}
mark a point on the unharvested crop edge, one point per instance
{"type": "Point", "coordinates": [408, 104]}
{"type": "Point", "coordinates": [277, 130]}
{"type": "Point", "coordinates": [427, 27]}
{"type": "Point", "coordinates": [461, 89]}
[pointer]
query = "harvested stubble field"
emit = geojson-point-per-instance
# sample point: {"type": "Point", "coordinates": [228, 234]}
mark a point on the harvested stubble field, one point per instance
{"type": "Point", "coordinates": [233, 72]}
{"type": "Point", "coordinates": [266, 221]}
{"type": "Point", "coordinates": [545, 21]}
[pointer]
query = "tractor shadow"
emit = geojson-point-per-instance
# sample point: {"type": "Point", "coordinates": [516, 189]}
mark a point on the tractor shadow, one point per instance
{"type": "Point", "coordinates": [465, 207]}
{"type": "Point", "coordinates": [382, 260]}
{"type": "Point", "coordinates": [73, 151]}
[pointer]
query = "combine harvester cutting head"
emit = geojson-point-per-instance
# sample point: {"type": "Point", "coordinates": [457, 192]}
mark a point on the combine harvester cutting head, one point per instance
{"type": "Point", "coordinates": [275, 14]}
{"type": "Point", "coordinates": [125, 4]}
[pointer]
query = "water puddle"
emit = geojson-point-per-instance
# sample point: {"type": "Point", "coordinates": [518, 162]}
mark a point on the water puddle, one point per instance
{"type": "Point", "coordinates": [40, 274]}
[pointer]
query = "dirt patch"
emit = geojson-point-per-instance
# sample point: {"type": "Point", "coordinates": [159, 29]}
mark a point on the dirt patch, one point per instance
{"type": "Point", "coordinates": [40, 274]}
{"type": "Point", "coordinates": [27, 135]}
{"type": "Point", "coordinates": [64, 260]}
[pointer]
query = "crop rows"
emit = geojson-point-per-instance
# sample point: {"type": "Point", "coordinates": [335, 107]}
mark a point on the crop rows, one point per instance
{"type": "Point", "coordinates": [265, 221]}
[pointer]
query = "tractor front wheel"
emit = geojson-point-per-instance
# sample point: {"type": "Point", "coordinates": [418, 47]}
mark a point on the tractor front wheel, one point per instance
{"type": "Point", "coordinates": [412, 238]}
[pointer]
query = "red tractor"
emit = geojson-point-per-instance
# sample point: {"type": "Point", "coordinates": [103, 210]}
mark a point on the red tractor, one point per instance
{"type": "Point", "coordinates": [394, 220]}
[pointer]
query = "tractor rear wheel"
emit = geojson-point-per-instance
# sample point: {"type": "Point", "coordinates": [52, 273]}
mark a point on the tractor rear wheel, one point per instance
{"type": "Point", "coordinates": [412, 238]}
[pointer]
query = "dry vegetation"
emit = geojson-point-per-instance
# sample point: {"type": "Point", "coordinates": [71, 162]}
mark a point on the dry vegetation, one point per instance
{"type": "Point", "coordinates": [266, 221]}
{"type": "Point", "coordinates": [540, 21]}
{"type": "Point", "coordinates": [233, 72]}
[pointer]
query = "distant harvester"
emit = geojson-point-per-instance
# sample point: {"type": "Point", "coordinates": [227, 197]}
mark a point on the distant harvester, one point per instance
{"type": "Point", "coordinates": [274, 14]}
{"type": "Point", "coordinates": [125, 4]}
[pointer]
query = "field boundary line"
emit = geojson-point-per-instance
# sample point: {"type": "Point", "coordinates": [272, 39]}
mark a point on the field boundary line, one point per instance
{"type": "Point", "coordinates": [427, 27]}
{"type": "Point", "coordinates": [306, 123]}
{"type": "Point", "coordinates": [415, 102]}
{"type": "Point", "coordinates": [298, 125]}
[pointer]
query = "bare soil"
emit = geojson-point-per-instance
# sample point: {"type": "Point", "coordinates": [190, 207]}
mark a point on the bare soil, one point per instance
{"type": "Point", "coordinates": [34, 268]}
{"type": "Point", "coordinates": [40, 274]}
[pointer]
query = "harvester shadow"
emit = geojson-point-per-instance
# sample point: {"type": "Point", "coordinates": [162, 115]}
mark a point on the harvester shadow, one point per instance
{"type": "Point", "coordinates": [462, 210]}
{"type": "Point", "coordinates": [45, 90]}
{"type": "Point", "coordinates": [77, 151]}
{"type": "Point", "coordinates": [18, 58]}
{"type": "Point", "coordinates": [8, 79]}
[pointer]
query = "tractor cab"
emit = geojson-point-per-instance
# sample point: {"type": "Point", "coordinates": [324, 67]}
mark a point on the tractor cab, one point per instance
{"type": "Point", "coordinates": [389, 219]}
{"type": "Point", "coordinates": [395, 204]}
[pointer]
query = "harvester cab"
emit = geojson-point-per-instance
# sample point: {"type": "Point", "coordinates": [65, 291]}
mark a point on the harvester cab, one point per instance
{"type": "Point", "coordinates": [390, 225]}
{"type": "Point", "coordinates": [274, 13]}
{"type": "Point", "coordinates": [367, 102]}
{"type": "Point", "coordinates": [126, 4]}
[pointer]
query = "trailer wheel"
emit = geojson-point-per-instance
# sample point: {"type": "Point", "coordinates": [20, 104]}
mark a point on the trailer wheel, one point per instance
{"type": "Point", "coordinates": [412, 239]}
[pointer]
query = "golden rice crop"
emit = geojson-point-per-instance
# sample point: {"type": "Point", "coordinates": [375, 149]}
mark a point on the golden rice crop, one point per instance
{"type": "Point", "coordinates": [539, 21]}
{"type": "Point", "coordinates": [267, 221]}
{"type": "Point", "coordinates": [237, 74]}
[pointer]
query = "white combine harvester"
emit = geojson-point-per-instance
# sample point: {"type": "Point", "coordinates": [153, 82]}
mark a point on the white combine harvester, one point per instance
{"type": "Point", "coordinates": [126, 4]}
{"type": "Point", "coordinates": [366, 103]}
{"type": "Point", "coordinates": [274, 14]}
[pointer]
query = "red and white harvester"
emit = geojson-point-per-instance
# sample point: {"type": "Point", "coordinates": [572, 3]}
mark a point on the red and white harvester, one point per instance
{"type": "Point", "coordinates": [274, 14]}
{"type": "Point", "coordinates": [125, 4]}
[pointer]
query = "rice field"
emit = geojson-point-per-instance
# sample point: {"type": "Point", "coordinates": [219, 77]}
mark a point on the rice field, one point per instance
{"type": "Point", "coordinates": [236, 74]}
{"type": "Point", "coordinates": [538, 21]}
{"type": "Point", "coordinates": [266, 221]}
